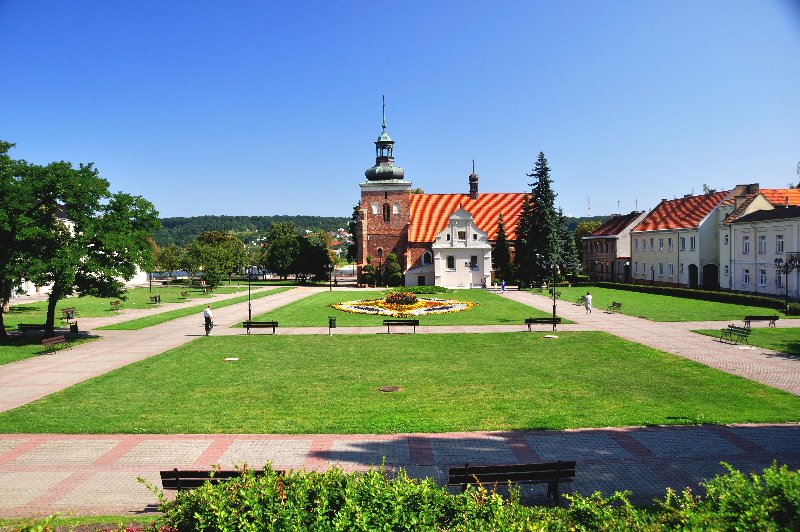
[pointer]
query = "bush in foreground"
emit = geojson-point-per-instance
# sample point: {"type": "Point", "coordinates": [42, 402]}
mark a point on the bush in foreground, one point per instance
{"type": "Point", "coordinates": [335, 500]}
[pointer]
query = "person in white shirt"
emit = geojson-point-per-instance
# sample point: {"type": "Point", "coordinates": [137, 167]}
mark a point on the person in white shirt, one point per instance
{"type": "Point", "coordinates": [207, 315]}
{"type": "Point", "coordinates": [587, 301]}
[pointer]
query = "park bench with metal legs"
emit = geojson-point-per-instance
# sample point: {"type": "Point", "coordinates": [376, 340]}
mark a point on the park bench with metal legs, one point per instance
{"type": "Point", "coordinates": [260, 325]}
{"type": "Point", "coordinates": [52, 343]}
{"type": "Point", "coordinates": [734, 334]}
{"type": "Point", "coordinates": [550, 473]}
{"type": "Point", "coordinates": [156, 299]}
{"type": "Point", "coordinates": [615, 307]}
{"type": "Point", "coordinates": [770, 319]}
{"type": "Point", "coordinates": [24, 328]}
{"type": "Point", "coordinates": [543, 321]}
{"type": "Point", "coordinates": [188, 479]}
{"type": "Point", "coordinates": [116, 304]}
{"type": "Point", "coordinates": [400, 323]}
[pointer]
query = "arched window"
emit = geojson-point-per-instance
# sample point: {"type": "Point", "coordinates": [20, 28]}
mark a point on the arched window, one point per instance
{"type": "Point", "coordinates": [380, 252]}
{"type": "Point", "coordinates": [427, 258]}
{"type": "Point", "coordinates": [374, 208]}
{"type": "Point", "coordinates": [386, 213]}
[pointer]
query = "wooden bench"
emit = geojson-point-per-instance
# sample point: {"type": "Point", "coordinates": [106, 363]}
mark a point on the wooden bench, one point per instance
{"type": "Point", "coordinates": [52, 343]}
{"type": "Point", "coordinates": [116, 305]}
{"type": "Point", "coordinates": [156, 299]}
{"type": "Point", "coordinates": [187, 479]}
{"type": "Point", "coordinates": [543, 321]}
{"type": "Point", "coordinates": [614, 307]}
{"type": "Point", "coordinates": [770, 319]}
{"type": "Point", "coordinates": [69, 313]}
{"type": "Point", "coordinates": [25, 327]}
{"type": "Point", "coordinates": [400, 323]}
{"type": "Point", "coordinates": [185, 295]}
{"type": "Point", "coordinates": [260, 325]}
{"type": "Point", "coordinates": [550, 473]}
{"type": "Point", "coordinates": [734, 334]}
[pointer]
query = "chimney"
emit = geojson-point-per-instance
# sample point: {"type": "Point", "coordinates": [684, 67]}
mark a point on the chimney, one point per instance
{"type": "Point", "coordinates": [786, 202]}
{"type": "Point", "coordinates": [687, 196]}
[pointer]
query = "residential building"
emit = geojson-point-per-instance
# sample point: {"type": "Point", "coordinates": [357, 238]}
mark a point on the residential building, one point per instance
{"type": "Point", "coordinates": [607, 250]}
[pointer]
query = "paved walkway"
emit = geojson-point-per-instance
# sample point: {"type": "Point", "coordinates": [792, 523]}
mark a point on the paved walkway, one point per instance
{"type": "Point", "coordinates": [96, 474]}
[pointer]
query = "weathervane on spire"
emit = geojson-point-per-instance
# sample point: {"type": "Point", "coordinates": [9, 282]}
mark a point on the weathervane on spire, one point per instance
{"type": "Point", "coordinates": [383, 101]}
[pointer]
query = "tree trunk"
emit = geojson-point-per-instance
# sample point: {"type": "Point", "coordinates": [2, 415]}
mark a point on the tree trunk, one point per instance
{"type": "Point", "coordinates": [3, 333]}
{"type": "Point", "coordinates": [49, 329]}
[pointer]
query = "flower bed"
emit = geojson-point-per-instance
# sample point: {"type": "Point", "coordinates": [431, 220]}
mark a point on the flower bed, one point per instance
{"type": "Point", "coordinates": [389, 307]}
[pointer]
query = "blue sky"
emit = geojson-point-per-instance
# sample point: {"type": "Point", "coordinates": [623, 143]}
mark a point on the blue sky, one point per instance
{"type": "Point", "coordinates": [260, 108]}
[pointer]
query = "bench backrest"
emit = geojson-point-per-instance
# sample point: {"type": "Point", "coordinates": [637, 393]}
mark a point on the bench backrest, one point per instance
{"type": "Point", "coordinates": [53, 340]}
{"type": "Point", "coordinates": [544, 472]}
{"type": "Point", "coordinates": [738, 330]}
{"type": "Point", "coordinates": [189, 479]}
{"type": "Point", "coordinates": [749, 318]}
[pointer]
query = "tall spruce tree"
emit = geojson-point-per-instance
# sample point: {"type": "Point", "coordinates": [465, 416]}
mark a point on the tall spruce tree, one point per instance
{"type": "Point", "coordinates": [570, 259]}
{"type": "Point", "coordinates": [502, 253]}
{"type": "Point", "coordinates": [539, 228]}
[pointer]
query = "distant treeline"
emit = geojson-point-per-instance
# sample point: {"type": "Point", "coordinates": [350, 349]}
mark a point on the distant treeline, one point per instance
{"type": "Point", "coordinates": [572, 222]}
{"type": "Point", "coordinates": [181, 230]}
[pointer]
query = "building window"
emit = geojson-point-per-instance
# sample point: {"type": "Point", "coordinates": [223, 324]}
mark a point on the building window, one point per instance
{"type": "Point", "coordinates": [462, 235]}
{"type": "Point", "coordinates": [669, 243]}
{"type": "Point", "coordinates": [396, 208]}
{"type": "Point", "coordinates": [635, 267]}
{"type": "Point", "coordinates": [779, 281]}
{"type": "Point", "coordinates": [427, 258]}
{"type": "Point", "coordinates": [652, 244]}
{"type": "Point", "coordinates": [683, 243]}
{"type": "Point", "coordinates": [745, 245]}
{"type": "Point", "coordinates": [644, 244]}
{"type": "Point", "coordinates": [644, 268]}
{"type": "Point", "coordinates": [448, 237]}
{"type": "Point", "coordinates": [451, 262]}
{"type": "Point", "coordinates": [387, 214]}
{"type": "Point", "coordinates": [375, 208]}
{"type": "Point", "coordinates": [762, 244]}
{"type": "Point", "coordinates": [474, 236]}
{"type": "Point", "coordinates": [762, 277]}
{"type": "Point", "coordinates": [692, 243]}
{"type": "Point", "coordinates": [778, 243]}
{"type": "Point", "coordinates": [727, 270]}
{"type": "Point", "coordinates": [746, 277]}
{"type": "Point", "coordinates": [636, 244]}
{"type": "Point", "coordinates": [473, 262]}
{"type": "Point", "coordinates": [671, 270]}
{"type": "Point", "coordinates": [661, 269]}
{"type": "Point", "coordinates": [727, 237]}
{"type": "Point", "coordinates": [661, 244]}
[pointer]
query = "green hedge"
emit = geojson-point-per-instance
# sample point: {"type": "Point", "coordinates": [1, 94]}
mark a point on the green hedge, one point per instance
{"type": "Point", "coordinates": [335, 500]}
{"type": "Point", "coordinates": [706, 295]}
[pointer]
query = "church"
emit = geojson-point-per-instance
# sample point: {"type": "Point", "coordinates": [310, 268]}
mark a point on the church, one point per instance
{"type": "Point", "coordinates": [439, 239]}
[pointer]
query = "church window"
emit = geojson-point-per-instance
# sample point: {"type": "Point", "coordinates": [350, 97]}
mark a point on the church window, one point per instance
{"type": "Point", "coordinates": [451, 262]}
{"type": "Point", "coordinates": [474, 236]}
{"type": "Point", "coordinates": [462, 235]}
{"type": "Point", "coordinates": [374, 208]}
{"type": "Point", "coordinates": [386, 213]}
{"type": "Point", "coordinates": [448, 236]}
{"type": "Point", "coordinates": [396, 208]}
{"type": "Point", "coordinates": [473, 262]}
{"type": "Point", "coordinates": [427, 258]}
{"type": "Point", "coordinates": [380, 252]}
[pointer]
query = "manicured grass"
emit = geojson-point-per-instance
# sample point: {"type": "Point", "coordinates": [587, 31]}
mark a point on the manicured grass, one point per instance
{"type": "Point", "coordinates": [322, 384]}
{"type": "Point", "coordinates": [783, 340]}
{"type": "Point", "coordinates": [90, 522]}
{"type": "Point", "coordinates": [662, 308]}
{"type": "Point", "coordinates": [313, 311]}
{"type": "Point", "coordinates": [92, 307]}
{"type": "Point", "coordinates": [22, 347]}
{"type": "Point", "coordinates": [155, 319]}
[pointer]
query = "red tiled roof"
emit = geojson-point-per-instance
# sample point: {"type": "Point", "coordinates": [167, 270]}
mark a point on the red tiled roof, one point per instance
{"type": "Point", "coordinates": [430, 213]}
{"type": "Point", "coordinates": [615, 225]}
{"type": "Point", "coordinates": [682, 213]}
{"type": "Point", "coordinates": [777, 196]}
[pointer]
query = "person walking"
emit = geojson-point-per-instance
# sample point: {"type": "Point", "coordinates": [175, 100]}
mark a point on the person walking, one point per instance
{"type": "Point", "coordinates": [503, 285]}
{"type": "Point", "coordinates": [207, 318]}
{"type": "Point", "coordinates": [587, 301]}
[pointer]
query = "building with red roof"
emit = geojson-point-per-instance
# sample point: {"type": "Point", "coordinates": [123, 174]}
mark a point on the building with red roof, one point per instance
{"type": "Point", "coordinates": [442, 239]}
{"type": "Point", "coordinates": [607, 249]}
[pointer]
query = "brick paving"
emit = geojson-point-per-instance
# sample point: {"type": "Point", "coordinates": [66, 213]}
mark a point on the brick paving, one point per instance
{"type": "Point", "coordinates": [97, 474]}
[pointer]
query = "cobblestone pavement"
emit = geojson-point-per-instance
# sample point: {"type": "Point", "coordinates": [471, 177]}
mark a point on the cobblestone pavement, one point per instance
{"type": "Point", "coordinates": [96, 474]}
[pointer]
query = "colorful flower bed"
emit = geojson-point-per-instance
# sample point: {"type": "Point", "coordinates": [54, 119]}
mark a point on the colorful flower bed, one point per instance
{"type": "Point", "coordinates": [390, 307]}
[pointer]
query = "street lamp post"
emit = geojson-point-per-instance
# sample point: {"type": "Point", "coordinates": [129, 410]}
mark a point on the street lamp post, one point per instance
{"type": "Point", "coordinates": [249, 307]}
{"type": "Point", "coordinates": [791, 263]}
{"type": "Point", "coordinates": [553, 266]}
{"type": "Point", "coordinates": [330, 277]}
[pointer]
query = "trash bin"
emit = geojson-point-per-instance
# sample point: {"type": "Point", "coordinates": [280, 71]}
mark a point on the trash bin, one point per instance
{"type": "Point", "coordinates": [331, 322]}
{"type": "Point", "coordinates": [73, 327]}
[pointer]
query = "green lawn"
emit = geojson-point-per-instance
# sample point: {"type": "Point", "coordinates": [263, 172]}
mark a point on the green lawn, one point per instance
{"type": "Point", "coordinates": [313, 311]}
{"type": "Point", "coordinates": [93, 307]}
{"type": "Point", "coordinates": [662, 308]}
{"type": "Point", "coordinates": [22, 347]}
{"type": "Point", "coordinates": [155, 319]}
{"type": "Point", "coordinates": [784, 340]}
{"type": "Point", "coordinates": [329, 384]}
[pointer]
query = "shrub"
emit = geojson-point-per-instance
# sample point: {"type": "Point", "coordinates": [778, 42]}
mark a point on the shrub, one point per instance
{"type": "Point", "coordinates": [335, 500]}
{"type": "Point", "coordinates": [423, 290]}
{"type": "Point", "coordinates": [705, 295]}
{"type": "Point", "coordinates": [794, 309]}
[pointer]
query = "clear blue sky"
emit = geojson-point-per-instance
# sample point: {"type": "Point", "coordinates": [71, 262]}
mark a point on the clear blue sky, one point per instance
{"type": "Point", "coordinates": [268, 107]}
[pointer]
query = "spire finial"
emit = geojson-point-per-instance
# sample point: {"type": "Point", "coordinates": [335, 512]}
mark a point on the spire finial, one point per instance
{"type": "Point", "coordinates": [473, 166]}
{"type": "Point", "coordinates": [383, 100]}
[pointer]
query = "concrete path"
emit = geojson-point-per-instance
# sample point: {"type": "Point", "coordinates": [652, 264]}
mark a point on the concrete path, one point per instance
{"type": "Point", "coordinates": [96, 474]}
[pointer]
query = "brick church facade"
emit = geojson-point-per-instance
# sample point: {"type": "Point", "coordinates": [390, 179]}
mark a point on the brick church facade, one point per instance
{"type": "Point", "coordinates": [441, 239]}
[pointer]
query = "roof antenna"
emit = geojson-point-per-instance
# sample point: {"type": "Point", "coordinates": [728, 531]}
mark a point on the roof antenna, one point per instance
{"type": "Point", "coordinates": [618, 211]}
{"type": "Point", "coordinates": [473, 166]}
{"type": "Point", "coordinates": [636, 204]}
{"type": "Point", "coordinates": [588, 206]}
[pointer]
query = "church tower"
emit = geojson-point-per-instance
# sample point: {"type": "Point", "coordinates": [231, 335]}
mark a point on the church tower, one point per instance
{"type": "Point", "coordinates": [384, 215]}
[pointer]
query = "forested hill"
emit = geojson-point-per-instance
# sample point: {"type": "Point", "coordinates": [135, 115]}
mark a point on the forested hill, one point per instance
{"type": "Point", "coordinates": [181, 231]}
{"type": "Point", "coordinates": [572, 221]}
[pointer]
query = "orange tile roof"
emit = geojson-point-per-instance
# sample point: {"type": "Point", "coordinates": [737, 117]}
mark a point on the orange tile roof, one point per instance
{"type": "Point", "coordinates": [682, 213]}
{"type": "Point", "coordinates": [777, 196]}
{"type": "Point", "coordinates": [614, 225]}
{"type": "Point", "coordinates": [430, 213]}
